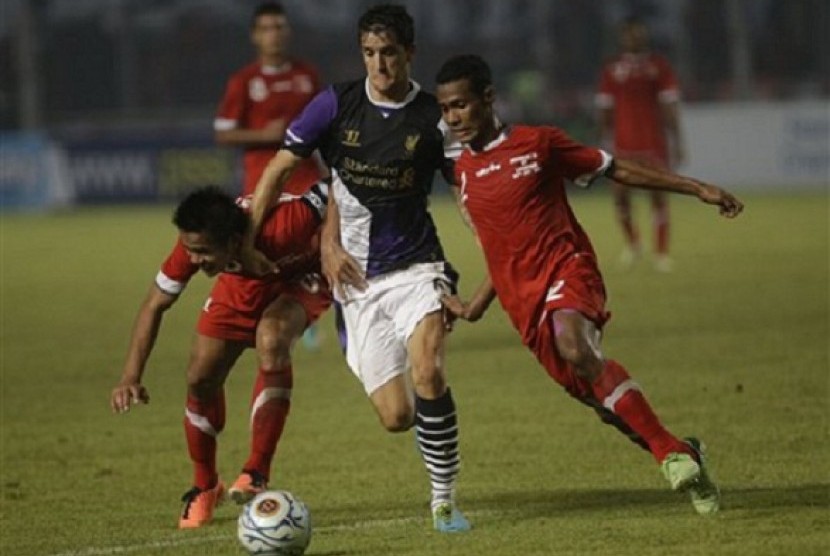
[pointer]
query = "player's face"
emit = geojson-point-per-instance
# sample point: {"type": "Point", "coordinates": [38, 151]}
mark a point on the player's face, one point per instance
{"type": "Point", "coordinates": [271, 34]}
{"type": "Point", "coordinates": [211, 257]}
{"type": "Point", "coordinates": [468, 115]}
{"type": "Point", "coordinates": [634, 38]}
{"type": "Point", "coordinates": [387, 65]}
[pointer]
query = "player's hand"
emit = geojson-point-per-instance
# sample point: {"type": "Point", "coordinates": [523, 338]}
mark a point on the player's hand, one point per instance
{"type": "Point", "coordinates": [730, 206]}
{"type": "Point", "coordinates": [255, 263]}
{"type": "Point", "coordinates": [340, 268]}
{"type": "Point", "coordinates": [126, 394]}
{"type": "Point", "coordinates": [460, 309]}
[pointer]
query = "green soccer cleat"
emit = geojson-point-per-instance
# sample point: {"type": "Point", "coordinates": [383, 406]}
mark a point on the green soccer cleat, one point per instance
{"type": "Point", "coordinates": [449, 519]}
{"type": "Point", "coordinates": [680, 469]}
{"type": "Point", "coordinates": [704, 492]}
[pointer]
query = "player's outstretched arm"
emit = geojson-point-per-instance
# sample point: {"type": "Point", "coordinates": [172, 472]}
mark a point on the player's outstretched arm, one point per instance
{"type": "Point", "coordinates": [338, 266]}
{"type": "Point", "coordinates": [129, 390]}
{"type": "Point", "coordinates": [632, 174]}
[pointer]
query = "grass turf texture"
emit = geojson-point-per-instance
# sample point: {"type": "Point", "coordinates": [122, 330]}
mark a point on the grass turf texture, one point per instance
{"type": "Point", "coordinates": [732, 346]}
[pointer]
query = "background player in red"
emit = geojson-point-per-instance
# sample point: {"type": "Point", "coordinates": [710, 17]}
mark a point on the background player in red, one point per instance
{"type": "Point", "coordinates": [541, 263]}
{"type": "Point", "coordinates": [638, 101]}
{"type": "Point", "coordinates": [270, 313]}
{"type": "Point", "coordinates": [263, 97]}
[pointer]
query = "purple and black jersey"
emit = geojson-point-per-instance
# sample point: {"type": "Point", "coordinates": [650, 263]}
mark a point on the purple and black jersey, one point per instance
{"type": "Point", "coordinates": [383, 158]}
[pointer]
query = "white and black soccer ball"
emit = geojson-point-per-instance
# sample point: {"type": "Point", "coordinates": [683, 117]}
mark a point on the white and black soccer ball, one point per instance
{"type": "Point", "coordinates": [275, 523]}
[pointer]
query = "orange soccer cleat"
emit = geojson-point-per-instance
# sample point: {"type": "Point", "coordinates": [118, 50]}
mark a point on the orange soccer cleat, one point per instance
{"type": "Point", "coordinates": [247, 485]}
{"type": "Point", "coordinates": [199, 505]}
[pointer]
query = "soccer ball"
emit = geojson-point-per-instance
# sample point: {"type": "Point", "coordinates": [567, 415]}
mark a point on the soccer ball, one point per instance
{"type": "Point", "coordinates": [274, 523]}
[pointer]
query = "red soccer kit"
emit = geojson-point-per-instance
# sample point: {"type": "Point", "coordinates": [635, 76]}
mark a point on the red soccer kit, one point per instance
{"type": "Point", "coordinates": [635, 85]}
{"type": "Point", "coordinates": [538, 256]}
{"type": "Point", "coordinates": [290, 236]}
{"type": "Point", "coordinates": [256, 95]}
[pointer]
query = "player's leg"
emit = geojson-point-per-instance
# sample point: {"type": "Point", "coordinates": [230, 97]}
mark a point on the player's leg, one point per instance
{"type": "Point", "coordinates": [436, 423]}
{"type": "Point", "coordinates": [281, 324]}
{"type": "Point", "coordinates": [660, 215]}
{"type": "Point", "coordinates": [577, 341]}
{"type": "Point", "coordinates": [625, 218]}
{"type": "Point", "coordinates": [210, 361]}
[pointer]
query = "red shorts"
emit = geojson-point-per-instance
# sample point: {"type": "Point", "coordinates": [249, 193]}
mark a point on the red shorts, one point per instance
{"type": "Point", "coordinates": [578, 287]}
{"type": "Point", "coordinates": [236, 304]}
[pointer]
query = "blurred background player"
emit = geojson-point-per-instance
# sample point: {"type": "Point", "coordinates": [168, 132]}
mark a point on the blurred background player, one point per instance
{"type": "Point", "coordinates": [261, 99]}
{"type": "Point", "coordinates": [638, 102]}
{"type": "Point", "coordinates": [542, 265]}
{"type": "Point", "coordinates": [241, 312]}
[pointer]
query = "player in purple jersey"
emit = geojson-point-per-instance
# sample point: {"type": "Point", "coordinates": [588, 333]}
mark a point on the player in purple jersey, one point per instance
{"type": "Point", "coordinates": [381, 140]}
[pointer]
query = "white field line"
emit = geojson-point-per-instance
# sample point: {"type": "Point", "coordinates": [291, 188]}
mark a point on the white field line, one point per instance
{"type": "Point", "coordinates": [180, 541]}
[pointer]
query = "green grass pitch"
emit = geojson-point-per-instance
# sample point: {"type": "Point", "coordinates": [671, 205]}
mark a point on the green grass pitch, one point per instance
{"type": "Point", "coordinates": [732, 346]}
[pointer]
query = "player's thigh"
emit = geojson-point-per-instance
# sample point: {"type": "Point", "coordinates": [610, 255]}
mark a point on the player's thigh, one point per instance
{"type": "Point", "coordinates": [211, 359]}
{"type": "Point", "coordinates": [393, 403]}
{"type": "Point", "coordinates": [374, 352]}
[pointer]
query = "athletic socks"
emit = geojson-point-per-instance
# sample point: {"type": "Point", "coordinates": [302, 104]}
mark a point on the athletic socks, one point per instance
{"type": "Point", "coordinates": [436, 430]}
{"type": "Point", "coordinates": [618, 393]}
{"type": "Point", "coordinates": [661, 227]}
{"type": "Point", "coordinates": [270, 405]}
{"type": "Point", "coordinates": [203, 421]}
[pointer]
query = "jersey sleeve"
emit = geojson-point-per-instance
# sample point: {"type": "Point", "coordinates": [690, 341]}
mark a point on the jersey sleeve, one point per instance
{"type": "Point", "coordinates": [307, 130]}
{"type": "Point", "coordinates": [176, 271]}
{"type": "Point", "coordinates": [605, 94]}
{"type": "Point", "coordinates": [668, 89]}
{"type": "Point", "coordinates": [577, 162]}
{"type": "Point", "coordinates": [232, 108]}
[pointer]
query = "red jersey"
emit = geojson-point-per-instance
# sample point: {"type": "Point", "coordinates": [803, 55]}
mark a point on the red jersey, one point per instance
{"type": "Point", "coordinates": [634, 85]}
{"type": "Point", "coordinates": [289, 236]}
{"type": "Point", "coordinates": [258, 94]}
{"type": "Point", "coordinates": [514, 191]}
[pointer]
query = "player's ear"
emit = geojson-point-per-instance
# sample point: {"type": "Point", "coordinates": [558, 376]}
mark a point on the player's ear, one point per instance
{"type": "Point", "coordinates": [489, 94]}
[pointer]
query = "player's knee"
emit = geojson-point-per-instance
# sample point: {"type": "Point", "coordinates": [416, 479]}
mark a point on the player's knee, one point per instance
{"type": "Point", "coordinates": [201, 385]}
{"type": "Point", "coordinates": [576, 350]}
{"type": "Point", "coordinates": [273, 346]}
{"type": "Point", "coordinates": [398, 419]}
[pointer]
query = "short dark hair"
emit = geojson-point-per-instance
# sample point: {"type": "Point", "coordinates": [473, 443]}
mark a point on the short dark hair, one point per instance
{"type": "Point", "coordinates": [211, 211]}
{"type": "Point", "coordinates": [266, 8]}
{"type": "Point", "coordinates": [389, 18]}
{"type": "Point", "coordinates": [632, 21]}
{"type": "Point", "coordinates": [471, 67]}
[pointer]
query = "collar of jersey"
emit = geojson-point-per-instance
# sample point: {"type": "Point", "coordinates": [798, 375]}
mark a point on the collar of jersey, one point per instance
{"type": "Point", "coordinates": [413, 92]}
{"type": "Point", "coordinates": [500, 138]}
{"type": "Point", "coordinates": [274, 70]}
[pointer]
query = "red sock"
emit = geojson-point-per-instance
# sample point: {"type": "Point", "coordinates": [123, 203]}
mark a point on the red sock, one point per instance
{"type": "Point", "coordinates": [269, 409]}
{"type": "Point", "coordinates": [617, 392]}
{"type": "Point", "coordinates": [623, 206]}
{"type": "Point", "coordinates": [661, 226]}
{"type": "Point", "coordinates": [203, 421]}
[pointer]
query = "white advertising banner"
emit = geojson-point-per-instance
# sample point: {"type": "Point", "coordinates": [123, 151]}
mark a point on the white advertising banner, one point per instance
{"type": "Point", "coordinates": [759, 145]}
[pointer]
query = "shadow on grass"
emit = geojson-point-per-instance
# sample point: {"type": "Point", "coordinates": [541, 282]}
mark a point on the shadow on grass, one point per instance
{"type": "Point", "coordinates": [552, 503]}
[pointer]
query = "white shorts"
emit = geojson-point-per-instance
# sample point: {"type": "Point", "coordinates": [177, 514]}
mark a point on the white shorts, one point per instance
{"type": "Point", "coordinates": [380, 320]}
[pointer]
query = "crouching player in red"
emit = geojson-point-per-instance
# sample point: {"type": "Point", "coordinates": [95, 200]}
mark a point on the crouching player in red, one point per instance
{"type": "Point", "coordinates": [541, 263]}
{"type": "Point", "coordinates": [242, 311]}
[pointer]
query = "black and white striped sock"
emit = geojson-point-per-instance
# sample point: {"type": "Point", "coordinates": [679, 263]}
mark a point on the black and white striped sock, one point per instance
{"type": "Point", "coordinates": [436, 429]}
